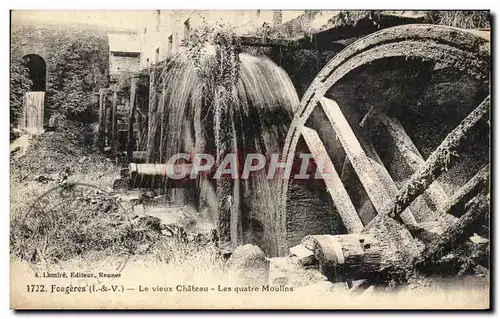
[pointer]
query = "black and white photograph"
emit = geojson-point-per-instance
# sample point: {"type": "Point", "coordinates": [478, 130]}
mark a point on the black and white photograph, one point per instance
{"type": "Point", "coordinates": [250, 159]}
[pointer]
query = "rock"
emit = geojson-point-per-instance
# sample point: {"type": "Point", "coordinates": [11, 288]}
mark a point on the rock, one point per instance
{"type": "Point", "coordinates": [476, 239]}
{"type": "Point", "coordinates": [147, 195]}
{"type": "Point", "coordinates": [368, 291]}
{"type": "Point", "coordinates": [227, 249]}
{"type": "Point", "coordinates": [14, 133]}
{"type": "Point", "coordinates": [304, 255]}
{"type": "Point", "coordinates": [358, 286]}
{"type": "Point", "coordinates": [83, 159]}
{"type": "Point", "coordinates": [132, 197]}
{"type": "Point", "coordinates": [289, 271]}
{"type": "Point", "coordinates": [124, 172]}
{"type": "Point", "coordinates": [147, 222]}
{"type": "Point", "coordinates": [43, 179]}
{"type": "Point", "coordinates": [15, 149]}
{"type": "Point", "coordinates": [122, 183]}
{"type": "Point", "coordinates": [53, 122]}
{"type": "Point", "coordinates": [139, 210]}
{"type": "Point", "coordinates": [250, 264]}
{"type": "Point", "coordinates": [142, 249]}
{"type": "Point", "coordinates": [167, 231]}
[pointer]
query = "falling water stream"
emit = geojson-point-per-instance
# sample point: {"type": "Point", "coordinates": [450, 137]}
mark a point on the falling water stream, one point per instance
{"type": "Point", "coordinates": [31, 119]}
{"type": "Point", "coordinates": [260, 113]}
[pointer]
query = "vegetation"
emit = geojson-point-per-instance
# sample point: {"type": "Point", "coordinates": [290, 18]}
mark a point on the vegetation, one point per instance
{"type": "Point", "coordinates": [208, 41]}
{"type": "Point", "coordinates": [461, 19]}
{"type": "Point", "coordinates": [77, 62]}
{"type": "Point", "coordinates": [20, 82]}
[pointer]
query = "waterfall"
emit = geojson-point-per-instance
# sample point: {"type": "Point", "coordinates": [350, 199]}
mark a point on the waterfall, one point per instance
{"type": "Point", "coordinates": [31, 119]}
{"type": "Point", "coordinates": [260, 112]}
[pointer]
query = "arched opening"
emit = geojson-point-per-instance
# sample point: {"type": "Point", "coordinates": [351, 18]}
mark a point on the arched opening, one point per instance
{"type": "Point", "coordinates": [37, 70]}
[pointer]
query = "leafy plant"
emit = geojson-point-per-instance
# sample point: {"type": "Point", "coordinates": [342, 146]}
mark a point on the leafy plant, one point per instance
{"type": "Point", "coordinates": [19, 80]}
{"type": "Point", "coordinates": [461, 19]}
{"type": "Point", "coordinates": [77, 66]}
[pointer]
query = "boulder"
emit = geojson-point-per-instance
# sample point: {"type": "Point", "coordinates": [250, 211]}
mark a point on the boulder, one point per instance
{"type": "Point", "coordinates": [249, 264]}
{"type": "Point", "coordinates": [147, 222]}
{"type": "Point", "coordinates": [304, 255]}
{"type": "Point", "coordinates": [289, 271]}
{"type": "Point", "coordinates": [122, 184]}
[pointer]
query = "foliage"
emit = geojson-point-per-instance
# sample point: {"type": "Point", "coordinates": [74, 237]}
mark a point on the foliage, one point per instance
{"type": "Point", "coordinates": [461, 19]}
{"type": "Point", "coordinates": [122, 82]}
{"type": "Point", "coordinates": [289, 30]}
{"type": "Point", "coordinates": [207, 40]}
{"type": "Point", "coordinates": [77, 66]}
{"type": "Point", "coordinates": [19, 80]}
{"type": "Point", "coordinates": [215, 55]}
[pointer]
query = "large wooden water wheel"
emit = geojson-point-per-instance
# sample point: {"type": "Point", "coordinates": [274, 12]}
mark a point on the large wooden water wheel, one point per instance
{"type": "Point", "coordinates": [404, 114]}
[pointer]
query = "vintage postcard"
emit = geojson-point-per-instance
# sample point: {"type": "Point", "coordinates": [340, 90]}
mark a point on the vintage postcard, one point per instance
{"type": "Point", "coordinates": [257, 159]}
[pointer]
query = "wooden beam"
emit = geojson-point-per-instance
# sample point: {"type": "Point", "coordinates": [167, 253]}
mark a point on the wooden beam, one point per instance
{"type": "Point", "coordinates": [159, 169]}
{"type": "Point", "coordinates": [385, 177]}
{"type": "Point", "coordinates": [114, 124]}
{"type": "Point", "coordinates": [151, 120]}
{"type": "Point", "coordinates": [267, 42]}
{"type": "Point", "coordinates": [434, 196]}
{"type": "Point", "coordinates": [139, 155]}
{"type": "Point", "coordinates": [474, 211]}
{"type": "Point", "coordinates": [161, 111]}
{"type": "Point", "coordinates": [373, 257]}
{"type": "Point", "coordinates": [439, 161]}
{"type": "Point", "coordinates": [362, 164]}
{"type": "Point", "coordinates": [351, 256]}
{"type": "Point", "coordinates": [102, 119]}
{"type": "Point", "coordinates": [465, 193]}
{"type": "Point", "coordinates": [453, 208]}
{"type": "Point", "coordinates": [131, 119]}
{"type": "Point", "coordinates": [334, 185]}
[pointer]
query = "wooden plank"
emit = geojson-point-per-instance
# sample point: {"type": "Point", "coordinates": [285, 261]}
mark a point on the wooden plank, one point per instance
{"type": "Point", "coordinates": [474, 211]}
{"type": "Point", "coordinates": [453, 208]}
{"type": "Point", "coordinates": [102, 119]}
{"type": "Point", "coordinates": [361, 163]}
{"type": "Point", "coordinates": [114, 124]}
{"type": "Point", "coordinates": [350, 256]}
{"type": "Point", "coordinates": [161, 111]}
{"type": "Point", "coordinates": [386, 178]}
{"type": "Point", "coordinates": [358, 286]}
{"type": "Point", "coordinates": [304, 255]}
{"type": "Point", "coordinates": [439, 161]}
{"type": "Point", "coordinates": [467, 192]}
{"type": "Point", "coordinates": [334, 185]}
{"type": "Point", "coordinates": [267, 42]}
{"type": "Point", "coordinates": [435, 195]}
{"type": "Point", "coordinates": [131, 119]}
{"type": "Point", "coordinates": [151, 121]}
{"type": "Point", "coordinates": [139, 155]}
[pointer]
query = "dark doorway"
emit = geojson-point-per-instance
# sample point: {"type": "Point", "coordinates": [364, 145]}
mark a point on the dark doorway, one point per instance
{"type": "Point", "coordinates": [37, 71]}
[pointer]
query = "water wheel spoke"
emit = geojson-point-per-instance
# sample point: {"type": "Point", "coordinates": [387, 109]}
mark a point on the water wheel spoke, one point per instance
{"type": "Point", "coordinates": [434, 196]}
{"type": "Point", "coordinates": [334, 185]}
{"type": "Point", "coordinates": [365, 167]}
{"type": "Point", "coordinates": [445, 46]}
{"type": "Point", "coordinates": [439, 161]}
{"type": "Point", "coordinates": [454, 206]}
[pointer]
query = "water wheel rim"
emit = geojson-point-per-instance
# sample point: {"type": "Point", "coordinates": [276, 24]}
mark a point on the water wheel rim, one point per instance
{"type": "Point", "coordinates": [450, 46]}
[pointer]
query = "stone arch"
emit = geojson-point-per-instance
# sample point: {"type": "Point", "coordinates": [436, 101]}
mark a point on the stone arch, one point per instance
{"type": "Point", "coordinates": [37, 71]}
